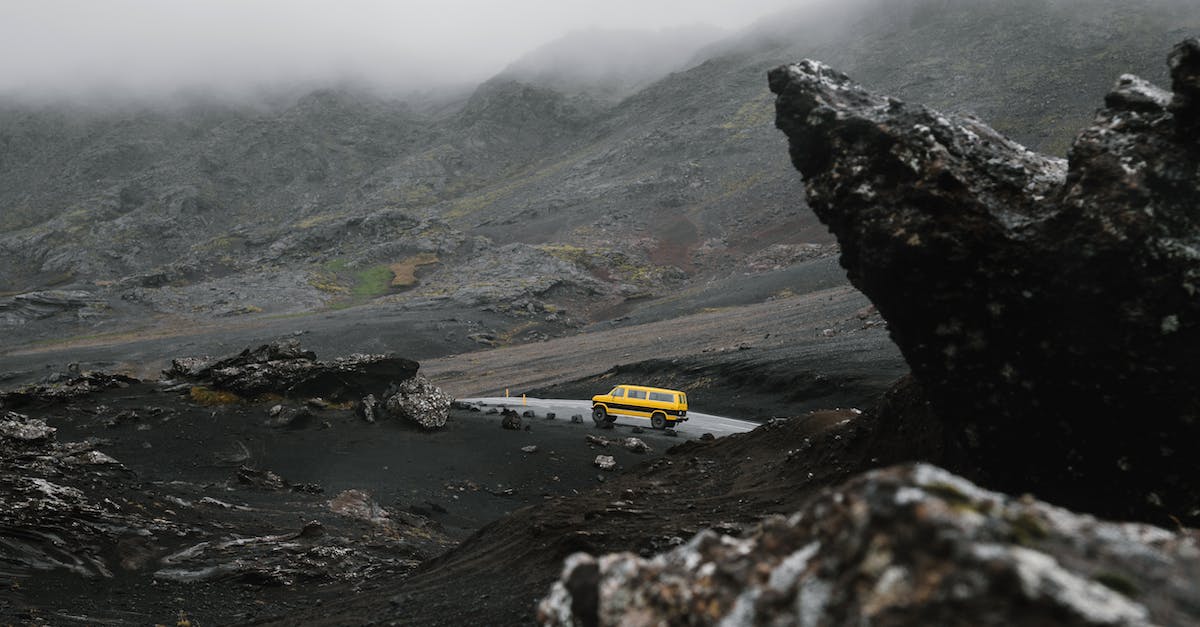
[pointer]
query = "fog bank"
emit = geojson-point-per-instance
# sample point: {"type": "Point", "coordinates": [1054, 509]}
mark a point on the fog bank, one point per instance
{"type": "Point", "coordinates": [85, 49]}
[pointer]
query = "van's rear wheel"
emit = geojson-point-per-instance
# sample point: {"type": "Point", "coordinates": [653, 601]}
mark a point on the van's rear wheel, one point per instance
{"type": "Point", "coordinates": [658, 421]}
{"type": "Point", "coordinates": [599, 415]}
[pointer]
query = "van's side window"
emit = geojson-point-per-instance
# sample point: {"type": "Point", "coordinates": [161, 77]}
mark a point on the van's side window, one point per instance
{"type": "Point", "coordinates": [618, 392]}
{"type": "Point", "coordinates": [665, 398]}
{"type": "Point", "coordinates": [638, 394]}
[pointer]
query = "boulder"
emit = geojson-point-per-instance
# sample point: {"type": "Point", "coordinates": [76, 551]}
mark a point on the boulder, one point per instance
{"type": "Point", "coordinates": [358, 504]}
{"type": "Point", "coordinates": [1048, 308]}
{"type": "Point", "coordinates": [907, 545]}
{"type": "Point", "coordinates": [368, 408]}
{"type": "Point", "coordinates": [420, 401]}
{"type": "Point", "coordinates": [261, 478]}
{"type": "Point", "coordinates": [510, 420]}
{"type": "Point", "coordinates": [605, 462]}
{"type": "Point", "coordinates": [287, 369]}
{"type": "Point", "coordinates": [636, 445]}
{"type": "Point", "coordinates": [291, 418]}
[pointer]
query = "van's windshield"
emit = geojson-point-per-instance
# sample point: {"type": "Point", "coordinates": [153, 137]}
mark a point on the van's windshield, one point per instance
{"type": "Point", "coordinates": [617, 392]}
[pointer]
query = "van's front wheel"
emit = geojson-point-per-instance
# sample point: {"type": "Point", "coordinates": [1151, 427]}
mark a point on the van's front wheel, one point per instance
{"type": "Point", "coordinates": [658, 421]}
{"type": "Point", "coordinates": [599, 415]}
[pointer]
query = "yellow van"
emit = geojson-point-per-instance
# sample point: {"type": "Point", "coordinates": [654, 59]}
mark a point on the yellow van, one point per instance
{"type": "Point", "coordinates": [665, 408]}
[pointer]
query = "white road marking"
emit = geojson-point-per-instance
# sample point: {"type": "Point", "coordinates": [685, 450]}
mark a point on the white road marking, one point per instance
{"type": "Point", "coordinates": [697, 423]}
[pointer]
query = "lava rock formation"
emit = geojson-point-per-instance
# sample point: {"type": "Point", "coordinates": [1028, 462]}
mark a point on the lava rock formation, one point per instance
{"type": "Point", "coordinates": [286, 368]}
{"type": "Point", "coordinates": [909, 545]}
{"type": "Point", "coordinates": [1049, 309]}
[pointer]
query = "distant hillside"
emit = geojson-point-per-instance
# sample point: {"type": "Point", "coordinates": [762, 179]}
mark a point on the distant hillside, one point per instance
{"type": "Point", "coordinates": [532, 190]}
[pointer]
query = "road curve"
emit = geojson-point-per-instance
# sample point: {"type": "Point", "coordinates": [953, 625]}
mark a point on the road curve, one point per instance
{"type": "Point", "coordinates": [698, 423]}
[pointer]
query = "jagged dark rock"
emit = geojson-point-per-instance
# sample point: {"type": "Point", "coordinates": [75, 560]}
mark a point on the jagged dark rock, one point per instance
{"type": "Point", "coordinates": [908, 545]}
{"type": "Point", "coordinates": [1048, 308]}
{"type": "Point", "coordinates": [1185, 82]}
{"type": "Point", "coordinates": [285, 368]}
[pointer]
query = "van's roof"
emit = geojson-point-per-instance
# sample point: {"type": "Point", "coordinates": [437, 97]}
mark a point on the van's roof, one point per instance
{"type": "Point", "coordinates": [648, 388]}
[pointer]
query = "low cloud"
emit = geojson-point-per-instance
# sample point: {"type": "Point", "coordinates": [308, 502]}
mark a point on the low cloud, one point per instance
{"type": "Point", "coordinates": [73, 48]}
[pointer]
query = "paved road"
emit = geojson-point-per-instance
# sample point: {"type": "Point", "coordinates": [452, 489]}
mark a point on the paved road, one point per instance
{"type": "Point", "coordinates": [697, 423]}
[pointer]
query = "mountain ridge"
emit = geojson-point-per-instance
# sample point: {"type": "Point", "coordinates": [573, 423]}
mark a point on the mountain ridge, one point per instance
{"type": "Point", "coordinates": [667, 186]}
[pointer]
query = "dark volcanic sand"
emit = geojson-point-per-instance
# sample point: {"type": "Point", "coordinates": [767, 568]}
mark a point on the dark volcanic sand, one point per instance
{"type": "Point", "coordinates": [748, 347]}
{"type": "Point", "coordinates": [457, 477]}
{"type": "Point", "coordinates": [496, 576]}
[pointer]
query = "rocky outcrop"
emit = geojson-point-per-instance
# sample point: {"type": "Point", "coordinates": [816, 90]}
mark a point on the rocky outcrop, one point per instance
{"type": "Point", "coordinates": [285, 368]}
{"type": "Point", "coordinates": [16, 426]}
{"type": "Point", "coordinates": [1049, 308]}
{"type": "Point", "coordinates": [48, 518]}
{"type": "Point", "coordinates": [76, 385]}
{"type": "Point", "coordinates": [23, 308]}
{"type": "Point", "coordinates": [71, 508]}
{"type": "Point", "coordinates": [419, 400]}
{"type": "Point", "coordinates": [908, 545]}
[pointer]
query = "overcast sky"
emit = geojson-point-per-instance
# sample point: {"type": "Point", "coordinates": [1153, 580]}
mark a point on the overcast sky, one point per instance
{"type": "Point", "coordinates": [156, 46]}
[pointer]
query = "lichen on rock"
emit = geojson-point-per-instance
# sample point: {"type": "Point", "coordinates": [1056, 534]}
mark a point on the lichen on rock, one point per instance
{"type": "Point", "coordinates": [908, 545]}
{"type": "Point", "coordinates": [418, 400]}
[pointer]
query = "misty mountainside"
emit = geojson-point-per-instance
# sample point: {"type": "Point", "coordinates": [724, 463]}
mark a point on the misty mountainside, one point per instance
{"type": "Point", "coordinates": [532, 195]}
{"type": "Point", "coordinates": [609, 65]}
